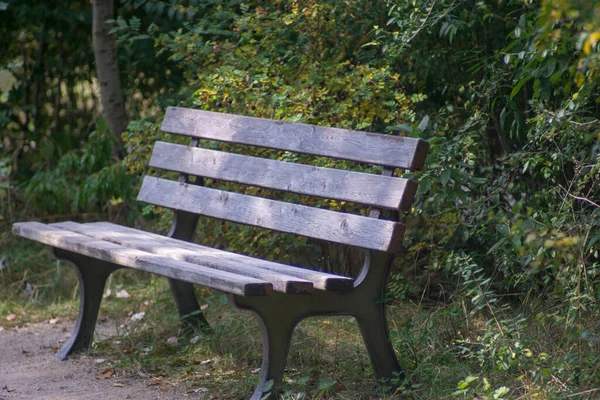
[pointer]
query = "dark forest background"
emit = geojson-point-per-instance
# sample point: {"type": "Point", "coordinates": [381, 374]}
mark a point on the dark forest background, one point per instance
{"type": "Point", "coordinates": [504, 238]}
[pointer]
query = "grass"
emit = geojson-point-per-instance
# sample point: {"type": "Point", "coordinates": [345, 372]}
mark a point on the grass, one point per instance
{"type": "Point", "coordinates": [526, 350]}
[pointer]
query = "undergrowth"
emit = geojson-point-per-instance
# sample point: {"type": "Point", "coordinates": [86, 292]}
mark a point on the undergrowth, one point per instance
{"type": "Point", "coordinates": [451, 350]}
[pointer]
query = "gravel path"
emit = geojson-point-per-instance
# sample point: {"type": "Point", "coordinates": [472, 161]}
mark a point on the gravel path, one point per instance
{"type": "Point", "coordinates": [29, 370]}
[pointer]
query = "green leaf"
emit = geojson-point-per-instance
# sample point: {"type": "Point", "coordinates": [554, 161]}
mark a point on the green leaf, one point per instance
{"type": "Point", "coordinates": [503, 229]}
{"type": "Point", "coordinates": [424, 185]}
{"type": "Point", "coordinates": [304, 380]}
{"type": "Point", "coordinates": [465, 383]}
{"type": "Point", "coordinates": [401, 127]}
{"type": "Point", "coordinates": [160, 7]}
{"type": "Point", "coordinates": [502, 118]}
{"type": "Point", "coordinates": [518, 86]}
{"type": "Point", "coordinates": [326, 383]}
{"type": "Point", "coordinates": [423, 124]}
{"type": "Point", "coordinates": [591, 242]}
{"type": "Point", "coordinates": [501, 391]}
{"type": "Point", "coordinates": [268, 385]}
{"type": "Point", "coordinates": [445, 176]}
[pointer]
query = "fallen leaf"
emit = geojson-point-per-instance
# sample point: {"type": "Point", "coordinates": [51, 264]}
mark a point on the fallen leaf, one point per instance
{"type": "Point", "coordinates": [139, 316]}
{"type": "Point", "coordinates": [195, 339]}
{"type": "Point", "coordinates": [53, 321]}
{"type": "Point", "coordinates": [142, 374]}
{"type": "Point", "coordinates": [199, 390]}
{"type": "Point", "coordinates": [172, 341]}
{"type": "Point", "coordinates": [163, 389]}
{"type": "Point", "coordinates": [11, 317]}
{"type": "Point", "coordinates": [203, 307]}
{"type": "Point", "coordinates": [156, 379]}
{"type": "Point", "coordinates": [107, 373]}
{"type": "Point", "coordinates": [121, 385]}
{"type": "Point", "coordinates": [123, 294]}
{"type": "Point", "coordinates": [99, 360]}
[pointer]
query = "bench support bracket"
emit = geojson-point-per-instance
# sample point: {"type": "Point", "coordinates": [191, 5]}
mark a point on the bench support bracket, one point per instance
{"type": "Point", "coordinates": [92, 274]}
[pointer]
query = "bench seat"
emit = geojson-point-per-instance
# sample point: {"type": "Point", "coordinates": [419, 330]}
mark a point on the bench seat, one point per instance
{"type": "Point", "coordinates": [216, 269]}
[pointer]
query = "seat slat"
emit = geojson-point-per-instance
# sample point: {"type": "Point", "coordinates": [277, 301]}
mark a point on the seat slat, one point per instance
{"type": "Point", "coordinates": [161, 247]}
{"type": "Point", "coordinates": [114, 253]}
{"type": "Point", "coordinates": [373, 148]}
{"type": "Point", "coordinates": [320, 280]}
{"type": "Point", "coordinates": [354, 230]}
{"type": "Point", "coordinates": [373, 190]}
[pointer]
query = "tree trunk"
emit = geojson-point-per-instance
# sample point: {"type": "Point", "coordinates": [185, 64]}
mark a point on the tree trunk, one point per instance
{"type": "Point", "coordinates": [107, 68]}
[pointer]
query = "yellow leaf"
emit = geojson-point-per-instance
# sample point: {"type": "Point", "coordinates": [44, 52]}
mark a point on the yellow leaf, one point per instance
{"type": "Point", "coordinates": [591, 42]}
{"type": "Point", "coordinates": [568, 241]}
{"type": "Point", "coordinates": [107, 373]}
{"type": "Point", "coordinates": [7, 81]}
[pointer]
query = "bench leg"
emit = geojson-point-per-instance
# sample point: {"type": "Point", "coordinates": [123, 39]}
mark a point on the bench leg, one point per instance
{"type": "Point", "coordinates": [187, 305]}
{"type": "Point", "coordinates": [276, 326]}
{"type": "Point", "coordinates": [369, 311]}
{"type": "Point", "coordinates": [374, 329]}
{"type": "Point", "coordinates": [279, 314]}
{"type": "Point", "coordinates": [92, 276]}
{"type": "Point", "coordinates": [184, 225]}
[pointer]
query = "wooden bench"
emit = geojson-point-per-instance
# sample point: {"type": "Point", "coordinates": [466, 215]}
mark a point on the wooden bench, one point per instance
{"type": "Point", "coordinates": [280, 295]}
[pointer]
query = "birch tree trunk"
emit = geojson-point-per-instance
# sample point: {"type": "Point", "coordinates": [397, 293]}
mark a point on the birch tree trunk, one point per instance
{"type": "Point", "coordinates": [107, 68]}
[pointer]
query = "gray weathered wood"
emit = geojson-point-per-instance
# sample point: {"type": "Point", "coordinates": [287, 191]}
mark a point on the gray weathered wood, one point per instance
{"type": "Point", "coordinates": [120, 255]}
{"type": "Point", "coordinates": [373, 148]}
{"type": "Point", "coordinates": [354, 230]}
{"type": "Point", "coordinates": [357, 187]}
{"type": "Point", "coordinates": [320, 280]}
{"type": "Point", "coordinates": [161, 247]}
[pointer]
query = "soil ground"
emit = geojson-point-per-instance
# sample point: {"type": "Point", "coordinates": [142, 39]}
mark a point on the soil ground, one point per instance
{"type": "Point", "coordinates": [29, 370]}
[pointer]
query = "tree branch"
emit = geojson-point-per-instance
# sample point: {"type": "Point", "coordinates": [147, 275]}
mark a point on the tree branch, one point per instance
{"type": "Point", "coordinates": [579, 197]}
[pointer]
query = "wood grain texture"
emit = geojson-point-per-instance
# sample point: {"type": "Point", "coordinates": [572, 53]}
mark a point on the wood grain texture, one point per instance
{"type": "Point", "coordinates": [328, 183]}
{"type": "Point", "coordinates": [114, 253]}
{"type": "Point", "coordinates": [165, 248]}
{"type": "Point", "coordinates": [320, 280]}
{"type": "Point", "coordinates": [373, 148]}
{"type": "Point", "coordinates": [354, 230]}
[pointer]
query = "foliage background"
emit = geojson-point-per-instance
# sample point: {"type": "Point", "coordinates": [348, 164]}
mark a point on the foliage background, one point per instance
{"type": "Point", "coordinates": [504, 237]}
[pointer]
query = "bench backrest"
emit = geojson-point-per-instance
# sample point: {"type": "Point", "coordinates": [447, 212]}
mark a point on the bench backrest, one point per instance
{"type": "Point", "coordinates": [377, 191]}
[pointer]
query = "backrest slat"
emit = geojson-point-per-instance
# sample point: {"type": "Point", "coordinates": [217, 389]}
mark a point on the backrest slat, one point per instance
{"type": "Point", "coordinates": [372, 148]}
{"type": "Point", "coordinates": [354, 230]}
{"type": "Point", "coordinates": [368, 189]}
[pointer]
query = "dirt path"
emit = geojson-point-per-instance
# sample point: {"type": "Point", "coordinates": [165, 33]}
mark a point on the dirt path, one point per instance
{"type": "Point", "coordinates": [29, 370]}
